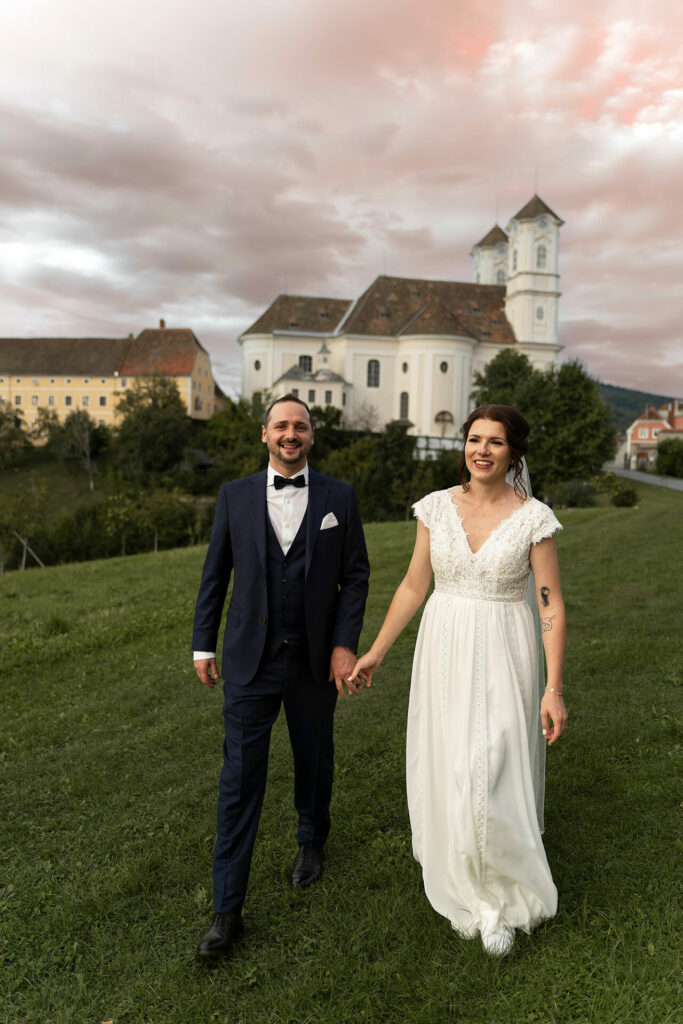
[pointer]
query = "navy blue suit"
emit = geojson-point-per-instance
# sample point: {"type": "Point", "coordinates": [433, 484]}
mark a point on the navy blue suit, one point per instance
{"type": "Point", "coordinates": [325, 574]}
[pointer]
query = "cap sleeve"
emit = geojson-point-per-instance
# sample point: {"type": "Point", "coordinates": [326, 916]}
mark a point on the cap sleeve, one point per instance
{"type": "Point", "coordinates": [544, 522]}
{"type": "Point", "coordinates": [426, 509]}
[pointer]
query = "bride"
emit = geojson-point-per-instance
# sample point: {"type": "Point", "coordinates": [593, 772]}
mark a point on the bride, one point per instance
{"type": "Point", "coordinates": [475, 754]}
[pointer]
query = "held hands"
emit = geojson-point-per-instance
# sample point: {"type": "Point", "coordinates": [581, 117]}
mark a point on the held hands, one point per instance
{"type": "Point", "coordinates": [207, 670]}
{"type": "Point", "coordinates": [553, 717]}
{"type": "Point", "coordinates": [365, 667]}
{"type": "Point", "coordinates": [341, 669]}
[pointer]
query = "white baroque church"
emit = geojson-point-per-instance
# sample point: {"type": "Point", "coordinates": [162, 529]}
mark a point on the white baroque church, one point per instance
{"type": "Point", "coordinates": [407, 349]}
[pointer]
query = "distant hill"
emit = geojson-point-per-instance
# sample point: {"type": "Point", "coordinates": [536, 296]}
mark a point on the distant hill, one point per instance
{"type": "Point", "coordinates": [627, 405]}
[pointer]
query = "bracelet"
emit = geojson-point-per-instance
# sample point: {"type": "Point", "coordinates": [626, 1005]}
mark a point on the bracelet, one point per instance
{"type": "Point", "coordinates": [558, 693]}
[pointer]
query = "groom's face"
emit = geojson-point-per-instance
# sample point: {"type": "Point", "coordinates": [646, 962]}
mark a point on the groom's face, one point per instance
{"type": "Point", "coordinates": [288, 435]}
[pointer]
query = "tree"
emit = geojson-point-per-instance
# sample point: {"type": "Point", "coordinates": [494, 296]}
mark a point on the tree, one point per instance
{"type": "Point", "coordinates": [670, 456]}
{"type": "Point", "coordinates": [152, 437]}
{"type": "Point", "coordinates": [22, 513]}
{"type": "Point", "coordinates": [570, 432]}
{"type": "Point", "coordinates": [13, 439]}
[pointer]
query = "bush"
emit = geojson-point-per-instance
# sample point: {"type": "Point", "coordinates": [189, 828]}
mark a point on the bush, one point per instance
{"type": "Point", "coordinates": [624, 494]}
{"type": "Point", "coordinates": [572, 494]}
{"type": "Point", "coordinates": [670, 457]}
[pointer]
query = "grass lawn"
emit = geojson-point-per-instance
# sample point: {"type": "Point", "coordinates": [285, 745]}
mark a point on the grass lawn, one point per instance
{"type": "Point", "coordinates": [110, 753]}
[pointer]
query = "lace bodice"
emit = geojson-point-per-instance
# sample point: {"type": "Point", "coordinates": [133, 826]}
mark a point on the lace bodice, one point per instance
{"type": "Point", "coordinates": [498, 571]}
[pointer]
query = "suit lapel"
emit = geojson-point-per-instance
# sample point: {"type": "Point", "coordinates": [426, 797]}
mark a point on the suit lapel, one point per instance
{"type": "Point", "coordinates": [317, 499]}
{"type": "Point", "coordinates": [257, 515]}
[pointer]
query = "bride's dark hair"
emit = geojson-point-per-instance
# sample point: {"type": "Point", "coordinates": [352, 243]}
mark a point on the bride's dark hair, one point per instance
{"type": "Point", "coordinates": [516, 435]}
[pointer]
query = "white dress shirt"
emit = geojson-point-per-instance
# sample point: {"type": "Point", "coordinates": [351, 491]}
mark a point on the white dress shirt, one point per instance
{"type": "Point", "coordinates": [286, 509]}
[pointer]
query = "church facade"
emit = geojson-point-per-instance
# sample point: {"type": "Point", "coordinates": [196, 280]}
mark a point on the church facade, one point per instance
{"type": "Point", "coordinates": [407, 349]}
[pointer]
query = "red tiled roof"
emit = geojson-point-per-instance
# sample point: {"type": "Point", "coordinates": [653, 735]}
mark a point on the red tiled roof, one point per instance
{"type": "Point", "coordinates": [394, 306]}
{"type": "Point", "coordinates": [87, 357]}
{"type": "Point", "coordinates": [170, 351]}
{"type": "Point", "coordinates": [535, 208]}
{"type": "Point", "coordinates": [495, 236]}
{"type": "Point", "coordinates": [301, 313]}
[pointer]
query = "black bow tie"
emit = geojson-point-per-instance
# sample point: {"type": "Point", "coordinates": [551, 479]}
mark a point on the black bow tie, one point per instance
{"type": "Point", "coordinates": [289, 481]}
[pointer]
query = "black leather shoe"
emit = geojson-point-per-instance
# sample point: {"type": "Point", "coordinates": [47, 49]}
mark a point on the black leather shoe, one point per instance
{"type": "Point", "coordinates": [308, 867]}
{"type": "Point", "coordinates": [224, 931]}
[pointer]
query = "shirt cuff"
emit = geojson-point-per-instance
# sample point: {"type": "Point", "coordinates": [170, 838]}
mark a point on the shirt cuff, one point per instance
{"type": "Point", "coordinates": [197, 655]}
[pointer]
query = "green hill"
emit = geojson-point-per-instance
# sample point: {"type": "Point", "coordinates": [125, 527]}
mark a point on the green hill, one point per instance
{"type": "Point", "coordinates": [627, 404]}
{"type": "Point", "coordinates": [111, 749]}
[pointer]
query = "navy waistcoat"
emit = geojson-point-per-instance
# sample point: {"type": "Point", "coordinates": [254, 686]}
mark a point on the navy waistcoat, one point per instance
{"type": "Point", "coordinates": [286, 574]}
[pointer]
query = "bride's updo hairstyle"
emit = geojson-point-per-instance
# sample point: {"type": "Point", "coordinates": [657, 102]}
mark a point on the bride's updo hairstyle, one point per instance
{"type": "Point", "coordinates": [516, 434]}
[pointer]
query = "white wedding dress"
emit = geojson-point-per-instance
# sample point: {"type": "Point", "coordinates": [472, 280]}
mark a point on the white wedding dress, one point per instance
{"type": "Point", "coordinates": [474, 757]}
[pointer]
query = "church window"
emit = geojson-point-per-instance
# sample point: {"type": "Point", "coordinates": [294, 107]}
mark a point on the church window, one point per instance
{"type": "Point", "coordinates": [403, 413]}
{"type": "Point", "coordinates": [85, 401]}
{"type": "Point", "coordinates": [514, 259]}
{"type": "Point", "coordinates": [35, 381]}
{"type": "Point", "coordinates": [17, 399]}
{"type": "Point", "coordinates": [86, 380]}
{"type": "Point", "coordinates": [404, 367]}
{"type": "Point", "coordinates": [103, 401]}
{"type": "Point", "coordinates": [311, 395]}
{"type": "Point", "coordinates": [373, 373]}
{"type": "Point", "coordinates": [34, 399]}
{"type": "Point", "coordinates": [257, 364]}
{"type": "Point", "coordinates": [68, 400]}
{"type": "Point", "coordinates": [541, 255]}
{"type": "Point", "coordinates": [306, 363]}
{"type": "Point", "coordinates": [343, 398]}
{"type": "Point", "coordinates": [500, 276]}
{"type": "Point", "coordinates": [642, 433]}
{"type": "Point", "coordinates": [295, 392]}
{"type": "Point", "coordinates": [540, 313]}
{"type": "Point", "coordinates": [328, 398]}
{"type": "Point", "coordinates": [52, 380]}
{"type": "Point", "coordinates": [444, 367]}
{"type": "Point", "coordinates": [51, 400]}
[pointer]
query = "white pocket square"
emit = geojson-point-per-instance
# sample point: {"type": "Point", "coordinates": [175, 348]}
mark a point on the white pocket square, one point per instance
{"type": "Point", "coordinates": [329, 521]}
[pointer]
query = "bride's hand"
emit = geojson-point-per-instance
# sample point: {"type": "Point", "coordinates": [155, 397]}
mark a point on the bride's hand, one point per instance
{"type": "Point", "coordinates": [553, 717]}
{"type": "Point", "coordinates": [365, 667]}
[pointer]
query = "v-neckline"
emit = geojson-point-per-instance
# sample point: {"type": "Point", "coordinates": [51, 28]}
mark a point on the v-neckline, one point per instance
{"type": "Point", "coordinates": [493, 531]}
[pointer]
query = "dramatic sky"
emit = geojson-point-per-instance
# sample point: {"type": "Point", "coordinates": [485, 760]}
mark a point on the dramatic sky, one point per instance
{"type": "Point", "coordinates": [192, 160]}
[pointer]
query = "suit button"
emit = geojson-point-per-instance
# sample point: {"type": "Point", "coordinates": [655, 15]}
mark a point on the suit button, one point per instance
{"type": "Point", "coordinates": [284, 580]}
{"type": "Point", "coordinates": [264, 621]}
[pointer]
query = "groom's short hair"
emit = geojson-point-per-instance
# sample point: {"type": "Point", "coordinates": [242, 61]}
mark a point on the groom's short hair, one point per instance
{"type": "Point", "coordinates": [286, 398]}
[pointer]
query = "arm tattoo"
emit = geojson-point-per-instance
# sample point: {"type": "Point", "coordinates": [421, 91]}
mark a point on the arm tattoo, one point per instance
{"type": "Point", "coordinates": [548, 623]}
{"type": "Point", "coordinates": [544, 596]}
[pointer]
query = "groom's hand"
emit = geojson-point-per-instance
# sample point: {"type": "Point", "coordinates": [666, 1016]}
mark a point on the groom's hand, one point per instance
{"type": "Point", "coordinates": [207, 670]}
{"type": "Point", "coordinates": [341, 666]}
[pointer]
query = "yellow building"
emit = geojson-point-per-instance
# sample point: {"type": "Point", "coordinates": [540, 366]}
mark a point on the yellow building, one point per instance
{"type": "Point", "coordinates": [63, 374]}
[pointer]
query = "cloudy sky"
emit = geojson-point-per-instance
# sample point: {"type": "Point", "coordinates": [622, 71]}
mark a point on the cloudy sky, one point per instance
{"type": "Point", "coordinates": [193, 160]}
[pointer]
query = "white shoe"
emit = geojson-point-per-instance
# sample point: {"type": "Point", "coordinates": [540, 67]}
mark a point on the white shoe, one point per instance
{"type": "Point", "coordinates": [498, 943]}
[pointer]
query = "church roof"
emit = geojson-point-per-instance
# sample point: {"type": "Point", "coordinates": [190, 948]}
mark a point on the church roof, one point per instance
{"type": "Point", "coordinates": [301, 314]}
{"type": "Point", "coordinates": [169, 351]}
{"type": "Point", "coordinates": [399, 306]}
{"type": "Point", "coordinates": [320, 376]}
{"type": "Point", "coordinates": [495, 236]}
{"type": "Point", "coordinates": [86, 357]}
{"type": "Point", "coordinates": [535, 208]}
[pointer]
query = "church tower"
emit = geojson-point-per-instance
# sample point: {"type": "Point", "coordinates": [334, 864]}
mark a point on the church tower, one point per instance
{"type": "Point", "coordinates": [533, 280]}
{"type": "Point", "coordinates": [491, 258]}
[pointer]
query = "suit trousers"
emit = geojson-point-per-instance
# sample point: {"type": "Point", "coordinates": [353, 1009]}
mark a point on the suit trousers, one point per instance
{"type": "Point", "coordinates": [249, 712]}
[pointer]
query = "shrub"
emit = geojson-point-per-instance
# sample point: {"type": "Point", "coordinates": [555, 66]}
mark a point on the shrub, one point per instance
{"type": "Point", "coordinates": [572, 494]}
{"type": "Point", "coordinates": [624, 494]}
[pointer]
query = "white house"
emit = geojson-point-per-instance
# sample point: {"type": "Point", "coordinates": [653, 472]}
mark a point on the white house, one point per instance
{"type": "Point", "coordinates": [406, 350]}
{"type": "Point", "coordinates": [645, 433]}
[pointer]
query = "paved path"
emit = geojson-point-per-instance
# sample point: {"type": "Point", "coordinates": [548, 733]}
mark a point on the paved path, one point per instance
{"type": "Point", "coordinates": [649, 478]}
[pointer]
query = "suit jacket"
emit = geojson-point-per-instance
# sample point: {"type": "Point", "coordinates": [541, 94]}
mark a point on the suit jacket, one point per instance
{"type": "Point", "coordinates": [336, 583]}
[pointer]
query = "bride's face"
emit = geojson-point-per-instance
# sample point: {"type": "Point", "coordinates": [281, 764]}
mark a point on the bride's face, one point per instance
{"type": "Point", "coordinates": [487, 452]}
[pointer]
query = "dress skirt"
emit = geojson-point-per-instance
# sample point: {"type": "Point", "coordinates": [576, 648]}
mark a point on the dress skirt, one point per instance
{"type": "Point", "coordinates": [472, 740]}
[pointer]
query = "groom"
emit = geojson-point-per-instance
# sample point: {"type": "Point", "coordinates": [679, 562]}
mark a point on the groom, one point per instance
{"type": "Point", "coordinates": [295, 543]}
